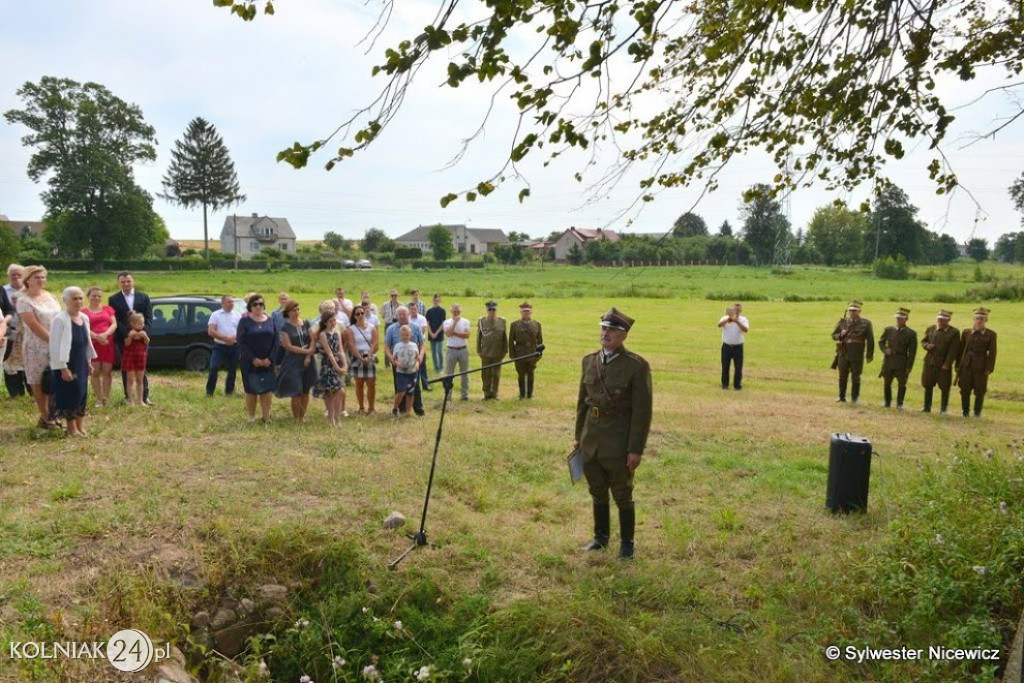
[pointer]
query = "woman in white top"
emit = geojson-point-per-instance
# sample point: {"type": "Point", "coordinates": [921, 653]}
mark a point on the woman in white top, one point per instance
{"type": "Point", "coordinates": [361, 342]}
{"type": "Point", "coordinates": [37, 308]}
{"type": "Point", "coordinates": [71, 354]}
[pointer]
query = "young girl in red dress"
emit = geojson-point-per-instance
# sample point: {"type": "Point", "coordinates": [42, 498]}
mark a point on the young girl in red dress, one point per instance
{"type": "Point", "coordinates": [133, 360]}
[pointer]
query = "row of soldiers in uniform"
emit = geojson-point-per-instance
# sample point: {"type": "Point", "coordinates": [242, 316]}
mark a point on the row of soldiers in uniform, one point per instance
{"type": "Point", "coordinates": [971, 355]}
{"type": "Point", "coordinates": [495, 339]}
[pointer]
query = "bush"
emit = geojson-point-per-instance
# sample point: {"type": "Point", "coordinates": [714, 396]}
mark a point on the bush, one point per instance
{"type": "Point", "coordinates": [893, 269]}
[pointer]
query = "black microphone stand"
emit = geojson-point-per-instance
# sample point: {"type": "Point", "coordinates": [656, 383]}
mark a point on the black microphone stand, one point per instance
{"type": "Point", "coordinates": [419, 539]}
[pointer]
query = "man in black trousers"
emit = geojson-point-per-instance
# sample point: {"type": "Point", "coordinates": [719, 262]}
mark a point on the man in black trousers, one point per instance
{"type": "Point", "coordinates": [123, 303]}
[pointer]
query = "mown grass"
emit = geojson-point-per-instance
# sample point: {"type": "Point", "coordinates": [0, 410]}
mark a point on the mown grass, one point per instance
{"type": "Point", "coordinates": [740, 574]}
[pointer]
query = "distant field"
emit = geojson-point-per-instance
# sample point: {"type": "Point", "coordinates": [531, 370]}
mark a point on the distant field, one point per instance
{"type": "Point", "coordinates": [740, 574]}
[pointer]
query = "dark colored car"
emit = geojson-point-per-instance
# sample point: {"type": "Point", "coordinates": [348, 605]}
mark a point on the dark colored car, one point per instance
{"type": "Point", "coordinates": [178, 337]}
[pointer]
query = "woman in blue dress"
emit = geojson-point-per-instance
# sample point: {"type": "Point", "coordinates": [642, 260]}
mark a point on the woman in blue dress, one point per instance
{"type": "Point", "coordinates": [257, 347]}
{"type": "Point", "coordinates": [71, 354]}
{"type": "Point", "coordinates": [297, 375]}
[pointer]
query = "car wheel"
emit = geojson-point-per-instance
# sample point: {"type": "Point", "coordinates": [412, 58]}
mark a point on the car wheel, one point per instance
{"type": "Point", "coordinates": [197, 360]}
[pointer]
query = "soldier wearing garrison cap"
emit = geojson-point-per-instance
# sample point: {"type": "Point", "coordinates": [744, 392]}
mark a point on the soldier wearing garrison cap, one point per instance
{"type": "Point", "coordinates": [855, 339]}
{"type": "Point", "coordinates": [977, 362]}
{"type": "Point", "coordinates": [613, 418]}
{"type": "Point", "coordinates": [942, 345]}
{"type": "Point", "coordinates": [899, 344]}
{"type": "Point", "coordinates": [491, 346]}
{"type": "Point", "coordinates": [524, 336]}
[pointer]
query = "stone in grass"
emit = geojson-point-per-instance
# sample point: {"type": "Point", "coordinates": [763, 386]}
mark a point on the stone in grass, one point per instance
{"type": "Point", "coordinates": [394, 520]}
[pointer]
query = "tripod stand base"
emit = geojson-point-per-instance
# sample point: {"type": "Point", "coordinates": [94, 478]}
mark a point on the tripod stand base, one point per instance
{"type": "Point", "coordinates": [419, 539]}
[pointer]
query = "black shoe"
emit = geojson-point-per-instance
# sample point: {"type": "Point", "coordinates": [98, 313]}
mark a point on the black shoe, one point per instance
{"type": "Point", "coordinates": [148, 402]}
{"type": "Point", "coordinates": [597, 544]}
{"type": "Point", "coordinates": [841, 399]}
{"type": "Point", "coordinates": [927, 410]}
{"type": "Point", "coordinates": [725, 387]}
{"type": "Point", "coordinates": [420, 413]}
{"type": "Point", "coordinates": [626, 551]}
{"type": "Point", "coordinates": [887, 405]}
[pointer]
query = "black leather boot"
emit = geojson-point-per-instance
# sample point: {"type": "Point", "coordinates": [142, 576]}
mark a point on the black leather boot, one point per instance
{"type": "Point", "coordinates": [602, 527]}
{"type": "Point", "coordinates": [627, 524]}
{"type": "Point", "coordinates": [927, 401]}
{"type": "Point", "coordinates": [965, 404]}
{"type": "Point", "coordinates": [522, 387]}
{"type": "Point", "coordinates": [901, 394]}
{"type": "Point", "coordinates": [842, 392]}
{"type": "Point", "coordinates": [855, 391]}
{"type": "Point", "coordinates": [529, 385]}
{"type": "Point", "coordinates": [944, 402]}
{"type": "Point", "coordinates": [979, 401]}
{"type": "Point", "coordinates": [887, 393]}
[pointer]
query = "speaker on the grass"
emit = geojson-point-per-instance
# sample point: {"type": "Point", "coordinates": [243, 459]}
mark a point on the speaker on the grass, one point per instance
{"type": "Point", "coordinates": [849, 473]}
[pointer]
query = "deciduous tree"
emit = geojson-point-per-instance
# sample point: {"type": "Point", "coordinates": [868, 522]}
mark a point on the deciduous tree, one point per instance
{"type": "Point", "coordinates": [977, 249]}
{"type": "Point", "coordinates": [202, 173]}
{"type": "Point", "coordinates": [376, 240]}
{"type": "Point", "coordinates": [689, 225]}
{"type": "Point", "coordinates": [441, 245]}
{"type": "Point", "coordinates": [764, 225]}
{"type": "Point", "coordinates": [86, 141]}
{"type": "Point", "coordinates": [836, 235]}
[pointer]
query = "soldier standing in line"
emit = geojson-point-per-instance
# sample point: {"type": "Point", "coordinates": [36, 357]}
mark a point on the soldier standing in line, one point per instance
{"type": "Point", "coordinates": [977, 362]}
{"type": "Point", "coordinates": [524, 336]}
{"type": "Point", "coordinates": [613, 419]}
{"type": "Point", "coordinates": [942, 343]}
{"type": "Point", "coordinates": [491, 346]}
{"type": "Point", "coordinates": [854, 339]}
{"type": "Point", "coordinates": [899, 344]}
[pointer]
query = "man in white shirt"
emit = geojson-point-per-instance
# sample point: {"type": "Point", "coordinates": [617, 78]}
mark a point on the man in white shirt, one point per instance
{"type": "Point", "coordinates": [456, 333]}
{"type": "Point", "coordinates": [222, 327]}
{"type": "Point", "coordinates": [342, 305]}
{"type": "Point", "coordinates": [734, 326]}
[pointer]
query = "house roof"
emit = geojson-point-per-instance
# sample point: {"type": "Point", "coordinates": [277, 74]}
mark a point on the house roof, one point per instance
{"type": "Point", "coordinates": [245, 224]}
{"type": "Point", "coordinates": [485, 235]}
{"type": "Point", "coordinates": [35, 228]}
{"type": "Point", "coordinates": [583, 235]}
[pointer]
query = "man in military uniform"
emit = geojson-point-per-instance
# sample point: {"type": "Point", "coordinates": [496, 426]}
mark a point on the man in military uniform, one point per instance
{"type": "Point", "coordinates": [491, 346]}
{"type": "Point", "coordinates": [854, 338]}
{"type": "Point", "coordinates": [977, 362]}
{"type": "Point", "coordinates": [899, 344]}
{"type": "Point", "coordinates": [524, 336]}
{"type": "Point", "coordinates": [613, 418]}
{"type": "Point", "coordinates": [942, 344]}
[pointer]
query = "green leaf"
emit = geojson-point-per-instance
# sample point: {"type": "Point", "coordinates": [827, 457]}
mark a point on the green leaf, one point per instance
{"type": "Point", "coordinates": [448, 199]}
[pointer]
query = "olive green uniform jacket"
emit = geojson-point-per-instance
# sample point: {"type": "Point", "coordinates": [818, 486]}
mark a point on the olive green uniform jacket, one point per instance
{"type": "Point", "coordinates": [615, 405]}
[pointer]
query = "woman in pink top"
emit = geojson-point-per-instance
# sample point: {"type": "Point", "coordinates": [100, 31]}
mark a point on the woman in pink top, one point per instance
{"type": "Point", "coordinates": [101, 329]}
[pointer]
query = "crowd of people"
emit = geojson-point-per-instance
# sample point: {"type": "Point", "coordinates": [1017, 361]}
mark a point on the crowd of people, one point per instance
{"type": "Point", "coordinates": [55, 352]}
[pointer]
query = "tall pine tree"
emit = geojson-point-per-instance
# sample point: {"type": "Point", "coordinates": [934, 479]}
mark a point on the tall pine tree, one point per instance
{"type": "Point", "coordinates": [202, 173]}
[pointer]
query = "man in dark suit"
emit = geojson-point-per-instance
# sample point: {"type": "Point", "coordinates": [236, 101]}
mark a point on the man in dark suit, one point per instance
{"type": "Point", "coordinates": [123, 303]}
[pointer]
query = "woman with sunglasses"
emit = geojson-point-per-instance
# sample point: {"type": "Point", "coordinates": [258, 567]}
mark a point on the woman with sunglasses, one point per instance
{"type": "Point", "coordinates": [361, 342]}
{"type": "Point", "coordinates": [257, 345]}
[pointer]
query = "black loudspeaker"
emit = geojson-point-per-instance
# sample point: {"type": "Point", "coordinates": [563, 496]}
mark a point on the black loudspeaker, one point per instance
{"type": "Point", "coordinates": [849, 472]}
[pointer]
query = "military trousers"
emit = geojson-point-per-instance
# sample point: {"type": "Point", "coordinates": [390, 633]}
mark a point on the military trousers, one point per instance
{"type": "Point", "coordinates": [934, 375]}
{"type": "Point", "coordinates": [524, 372]}
{"type": "Point", "coordinates": [610, 474]}
{"type": "Point", "coordinates": [491, 377]}
{"type": "Point", "coordinates": [973, 380]}
{"type": "Point", "coordinates": [900, 375]}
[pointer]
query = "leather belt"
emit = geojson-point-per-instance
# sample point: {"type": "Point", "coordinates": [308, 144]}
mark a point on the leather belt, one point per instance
{"type": "Point", "coordinates": [597, 411]}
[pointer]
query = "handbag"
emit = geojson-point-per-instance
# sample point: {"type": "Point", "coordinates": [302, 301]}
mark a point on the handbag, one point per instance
{"type": "Point", "coordinates": [262, 380]}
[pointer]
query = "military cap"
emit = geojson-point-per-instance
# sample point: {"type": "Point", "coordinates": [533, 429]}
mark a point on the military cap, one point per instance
{"type": "Point", "coordinates": [981, 311]}
{"type": "Point", "coordinates": [902, 312]}
{"type": "Point", "coordinates": [945, 314]}
{"type": "Point", "coordinates": [491, 305]}
{"type": "Point", "coordinates": [526, 306]}
{"type": "Point", "coordinates": [616, 319]}
{"type": "Point", "coordinates": [855, 305]}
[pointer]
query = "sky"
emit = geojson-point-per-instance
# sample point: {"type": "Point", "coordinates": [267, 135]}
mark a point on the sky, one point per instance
{"type": "Point", "coordinates": [295, 76]}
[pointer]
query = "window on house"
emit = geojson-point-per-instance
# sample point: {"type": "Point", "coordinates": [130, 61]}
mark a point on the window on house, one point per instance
{"type": "Point", "coordinates": [283, 246]}
{"type": "Point", "coordinates": [254, 246]}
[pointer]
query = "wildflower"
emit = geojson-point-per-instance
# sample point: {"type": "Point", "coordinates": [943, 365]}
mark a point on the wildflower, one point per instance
{"type": "Point", "coordinates": [373, 659]}
{"type": "Point", "coordinates": [365, 610]}
{"type": "Point", "coordinates": [979, 569]}
{"type": "Point", "coordinates": [467, 662]}
{"type": "Point", "coordinates": [302, 623]}
{"type": "Point", "coordinates": [305, 679]}
{"type": "Point", "coordinates": [938, 539]}
{"type": "Point", "coordinates": [264, 670]}
{"type": "Point", "coordinates": [423, 673]}
{"type": "Point", "coordinates": [1004, 508]}
{"type": "Point", "coordinates": [338, 662]}
{"type": "Point", "coordinates": [370, 671]}
{"type": "Point", "coordinates": [398, 626]}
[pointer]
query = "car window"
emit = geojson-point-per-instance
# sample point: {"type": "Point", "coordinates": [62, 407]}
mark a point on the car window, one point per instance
{"type": "Point", "coordinates": [201, 317]}
{"type": "Point", "coordinates": [169, 317]}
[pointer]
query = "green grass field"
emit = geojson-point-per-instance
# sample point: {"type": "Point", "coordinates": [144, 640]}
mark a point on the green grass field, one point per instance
{"type": "Point", "coordinates": [741, 574]}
